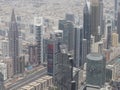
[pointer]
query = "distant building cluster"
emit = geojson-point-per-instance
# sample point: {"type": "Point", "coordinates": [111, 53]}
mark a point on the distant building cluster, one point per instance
{"type": "Point", "coordinates": [49, 45]}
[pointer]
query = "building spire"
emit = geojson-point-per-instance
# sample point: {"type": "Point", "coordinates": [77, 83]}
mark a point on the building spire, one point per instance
{"type": "Point", "coordinates": [13, 16]}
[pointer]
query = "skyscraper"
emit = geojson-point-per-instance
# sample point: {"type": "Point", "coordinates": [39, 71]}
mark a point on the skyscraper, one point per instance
{"type": "Point", "coordinates": [68, 33]}
{"type": "Point", "coordinates": [52, 50]}
{"type": "Point", "coordinates": [39, 31]}
{"type": "Point", "coordinates": [14, 43]}
{"type": "Point", "coordinates": [95, 69]}
{"type": "Point", "coordinates": [101, 24]}
{"type": "Point", "coordinates": [87, 24]}
{"type": "Point", "coordinates": [118, 24]}
{"type": "Point", "coordinates": [78, 36]}
{"type": "Point", "coordinates": [95, 18]}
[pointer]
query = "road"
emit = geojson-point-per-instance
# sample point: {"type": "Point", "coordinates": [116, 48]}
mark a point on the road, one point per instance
{"type": "Point", "coordinates": [27, 79]}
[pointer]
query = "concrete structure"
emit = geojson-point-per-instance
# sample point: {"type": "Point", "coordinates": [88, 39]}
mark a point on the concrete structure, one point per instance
{"type": "Point", "coordinates": [3, 70]}
{"type": "Point", "coordinates": [9, 62]}
{"type": "Point", "coordinates": [114, 39]}
{"type": "Point", "coordinates": [2, 82]}
{"type": "Point", "coordinates": [32, 51]}
{"type": "Point", "coordinates": [14, 43]}
{"type": "Point", "coordinates": [42, 83]}
{"type": "Point", "coordinates": [5, 48]}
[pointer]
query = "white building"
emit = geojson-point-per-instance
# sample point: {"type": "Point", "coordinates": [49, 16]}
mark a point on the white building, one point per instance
{"type": "Point", "coordinates": [3, 70]}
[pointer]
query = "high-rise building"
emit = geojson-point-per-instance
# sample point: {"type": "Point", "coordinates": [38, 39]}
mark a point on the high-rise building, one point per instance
{"type": "Point", "coordinates": [95, 18]}
{"type": "Point", "coordinates": [114, 39]}
{"type": "Point", "coordinates": [2, 82]}
{"type": "Point", "coordinates": [95, 69]}
{"type": "Point", "coordinates": [101, 24]}
{"type": "Point", "coordinates": [14, 43]}
{"type": "Point", "coordinates": [70, 17]}
{"type": "Point", "coordinates": [118, 24]}
{"type": "Point", "coordinates": [3, 69]}
{"type": "Point", "coordinates": [9, 63]}
{"type": "Point", "coordinates": [78, 36]}
{"type": "Point", "coordinates": [109, 35]}
{"type": "Point", "coordinates": [32, 51]}
{"type": "Point", "coordinates": [87, 24]}
{"type": "Point", "coordinates": [116, 8]}
{"type": "Point", "coordinates": [52, 50]}
{"type": "Point", "coordinates": [62, 76]}
{"type": "Point", "coordinates": [39, 31]}
{"type": "Point", "coordinates": [5, 48]}
{"type": "Point", "coordinates": [68, 33]}
{"type": "Point", "coordinates": [84, 52]}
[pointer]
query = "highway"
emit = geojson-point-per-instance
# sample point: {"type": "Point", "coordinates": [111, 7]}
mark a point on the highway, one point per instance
{"type": "Point", "coordinates": [27, 79]}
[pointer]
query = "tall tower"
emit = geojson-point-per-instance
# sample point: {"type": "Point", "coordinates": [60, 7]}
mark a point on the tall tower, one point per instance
{"type": "Point", "coordinates": [87, 25]}
{"type": "Point", "coordinates": [95, 18]}
{"type": "Point", "coordinates": [95, 69]}
{"type": "Point", "coordinates": [39, 31]}
{"type": "Point", "coordinates": [14, 43]}
{"type": "Point", "coordinates": [118, 24]}
{"type": "Point", "coordinates": [101, 24]}
{"type": "Point", "coordinates": [68, 33]}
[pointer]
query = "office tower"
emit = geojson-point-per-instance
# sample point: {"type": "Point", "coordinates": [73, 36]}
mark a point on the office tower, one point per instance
{"type": "Point", "coordinates": [22, 63]}
{"type": "Point", "coordinates": [3, 69]}
{"type": "Point", "coordinates": [87, 24]}
{"type": "Point", "coordinates": [20, 46]}
{"type": "Point", "coordinates": [70, 17]}
{"type": "Point", "coordinates": [95, 69]}
{"type": "Point", "coordinates": [32, 51]}
{"type": "Point", "coordinates": [114, 39]}
{"type": "Point", "coordinates": [2, 82]}
{"type": "Point", "coordinates": [62, 76]}
{"type": "Point", "coordinates": [101, 24]}
{"type": "Point", "coordinates": [116, 8]}
{"type": "Point", "coordinates": [9, 63]}
{"type": "Point", "coordinates": [14, 43]}
{"type": "Point", "coordinates": [94, 18]}
{"type": "Point", "coordinates": [78, 36]}
{"type": "Point", "coordinates": [68, 33]}
{"type": "Point", "coordinates": [118, 24]}
{"type": "Point", "coordinates": [53, 43]}
{"type": "Point", "coordinates": [39, 31]}
{"type": "Point", "coordinates": [84, 52]}
{"type": "Point", "coordinates": [5, 48]}
{"type": "Point", "coordinates": [109, 35]}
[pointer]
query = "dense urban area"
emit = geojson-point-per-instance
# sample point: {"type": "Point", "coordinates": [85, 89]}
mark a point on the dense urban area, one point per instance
{"type": "Point", "coordinates": [59, 44]}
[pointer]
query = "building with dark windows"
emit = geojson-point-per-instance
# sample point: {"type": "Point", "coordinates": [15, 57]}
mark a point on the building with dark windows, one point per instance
{"type": "Point", "coordinates": [118, 24]}
{"type": "Point", "coordinates": [32, 51]}
{"type": "Point", "coordinates": [95, 69]}
{"type": "Point", "coordinates": [68, 33]}
{"type": "Point", "coordinates": [2, 82]}
{"type": "Point", "coordinates": [78, 36]}
{"type": "Point", "coordinates": [87, 25]}
{"type": "Point", "coordinates": [39, 31]}
{"type": "Point", "coordinates": [14, 43]}
{"type": "Point", "coordinates": [53, 43]}
{"type": "Point", "coordinates": [94, 18]}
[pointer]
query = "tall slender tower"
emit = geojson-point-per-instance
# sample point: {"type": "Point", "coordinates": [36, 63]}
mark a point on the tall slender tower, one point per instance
{"type": "Point", "coordinates": [87, 24]}
{"type": "Point", "coordinates": [101, 24]}
{"type": "Point", "coordinates": [13, 43]}
{"type": "Point", "coordinates": [118, 23]}
{"type": "Point", "coordinates": [95, 18]}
